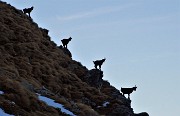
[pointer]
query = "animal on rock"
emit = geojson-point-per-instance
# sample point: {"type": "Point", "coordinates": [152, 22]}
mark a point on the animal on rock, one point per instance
{"type": "Point", "coordinates": [99, 63]}
{"type": "Point", "coordinates": [65, 42]}
{"type": "Point", "coordinates": [128, 91]}
{"type": "Point", "coordinates": [28, 10]}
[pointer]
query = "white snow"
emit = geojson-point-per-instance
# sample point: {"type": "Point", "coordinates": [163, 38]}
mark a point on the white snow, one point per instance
{"type": "Point", "coordinates": [105, 104]}
{"type": "Point", "coordinates": [1, 92]}
{"type": "Point", "coordinates": [2, 113]}
{"type": "Point", "coordinates": [56, 105]}
{"type": "Point", "coordinates": [13, 102]}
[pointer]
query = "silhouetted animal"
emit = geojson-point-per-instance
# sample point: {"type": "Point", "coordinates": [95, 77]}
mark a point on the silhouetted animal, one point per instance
{"type": "Point", "coordinates": [28, 10]}
{"type": "Point", "coordinates": [128, 91]}
{"type": "Point", "coordinates": [99, 63]}
{"type": "Point", "coordinates": [65, 42]}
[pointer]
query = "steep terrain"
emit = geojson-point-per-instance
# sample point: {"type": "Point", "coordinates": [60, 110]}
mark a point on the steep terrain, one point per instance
{"type": "Point", "coordinates": [31, 65]}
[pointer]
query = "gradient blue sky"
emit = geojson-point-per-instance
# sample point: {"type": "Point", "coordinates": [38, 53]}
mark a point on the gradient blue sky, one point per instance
{"type": "Point", "coordinates": [139, 38]}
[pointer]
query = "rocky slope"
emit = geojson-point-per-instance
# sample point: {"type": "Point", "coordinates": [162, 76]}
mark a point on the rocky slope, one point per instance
{"type": "Point", "coordinates": [32, 65]}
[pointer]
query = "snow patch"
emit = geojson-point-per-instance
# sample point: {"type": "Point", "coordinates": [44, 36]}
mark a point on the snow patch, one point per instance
{"type": "Point", "coordinates": [105, 104]}
{"type": "Point", "coordinates": [51, 102]}
{"type": "Point", "coordinates": [13, 102]}
{"type": "Point", "coordinates": [2, 113]}
{"type": "Point", "coordinates": [1, 92]}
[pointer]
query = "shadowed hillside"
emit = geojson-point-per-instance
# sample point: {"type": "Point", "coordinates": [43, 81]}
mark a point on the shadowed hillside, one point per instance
{"type": "Point", "coordinates": [31, 65]}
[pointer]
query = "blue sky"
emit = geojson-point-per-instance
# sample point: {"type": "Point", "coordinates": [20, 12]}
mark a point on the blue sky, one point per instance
{"type": "Point", "coordinates": [139, 38]}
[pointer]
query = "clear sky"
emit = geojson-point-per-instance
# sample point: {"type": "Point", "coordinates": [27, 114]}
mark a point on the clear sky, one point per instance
{"type": "Point", "coordinates": [139, 38]}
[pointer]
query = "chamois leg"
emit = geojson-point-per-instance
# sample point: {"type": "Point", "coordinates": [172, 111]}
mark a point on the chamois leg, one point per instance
{"type": "Point", "coordinates": [29, 14]}
{"type": "Point", "coordinates": [95, 66]}
{"type": "Point", "coordinates": [99, 67]}
{"type": "Point", "coordinates": [64, 45]}
{"type": "Point", "coordinates": [128, 96]}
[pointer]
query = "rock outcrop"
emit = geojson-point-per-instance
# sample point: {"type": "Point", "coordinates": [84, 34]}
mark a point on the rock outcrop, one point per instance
{"type": "Point", "coordinates": [94, 78]}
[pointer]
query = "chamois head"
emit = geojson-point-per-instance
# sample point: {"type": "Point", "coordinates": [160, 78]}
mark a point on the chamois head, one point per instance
{"type": "Point", "coordinates": [134, 88]}
{"type": "Point", "coordinates": [70, 38]}
{"type": "Point", "coordinates": [103, 59]}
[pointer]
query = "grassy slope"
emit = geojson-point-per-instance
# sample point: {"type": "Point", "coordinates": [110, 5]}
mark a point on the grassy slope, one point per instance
{"type": "Point", "coordinates": [29, 60]}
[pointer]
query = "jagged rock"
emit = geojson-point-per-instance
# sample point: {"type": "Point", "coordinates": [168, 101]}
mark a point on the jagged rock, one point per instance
{"type": "Point", "coordinates": [66, 51]}
{"type": "Point", "coordinates": [44, 91]}
{"type": "Point", "coordinates": [75, 107]}
{"type": "Point", "coordinates": [94, 78]}
{"type": "Point", "coordinates": [88, 101]}
{"type": "Point", "coordinates": [28, 86]}
{"type": "Point", "coordinates": [121, 110]}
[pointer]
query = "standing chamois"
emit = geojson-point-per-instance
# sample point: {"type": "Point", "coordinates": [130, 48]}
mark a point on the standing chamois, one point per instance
{"type": "Point", "coordinates": [65, 42]}
{"type": "Point", "coordinates": [28, 10]}
{"type": "Point", "coordinates": [128, 91]}
{"type": "Point", "coordinates": [99, 63]}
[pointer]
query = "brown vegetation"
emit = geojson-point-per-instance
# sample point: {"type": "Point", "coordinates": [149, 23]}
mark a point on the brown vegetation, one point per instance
{"type": "Point", "coordinates": [31, 63]}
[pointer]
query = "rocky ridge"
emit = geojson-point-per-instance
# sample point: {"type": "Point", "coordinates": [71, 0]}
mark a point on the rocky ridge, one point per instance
{"type": "Point", "coordinates": [31, 64]}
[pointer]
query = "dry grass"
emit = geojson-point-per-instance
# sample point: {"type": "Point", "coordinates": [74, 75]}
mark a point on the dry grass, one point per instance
{"type": "Point", "coordinates": [86, 110]}
{"type": "Point", "coordinates": [29, 57]}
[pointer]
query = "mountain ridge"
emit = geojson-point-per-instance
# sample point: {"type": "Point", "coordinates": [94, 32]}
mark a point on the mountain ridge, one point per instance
{"type": "Point", "coordinates": [31, 64]}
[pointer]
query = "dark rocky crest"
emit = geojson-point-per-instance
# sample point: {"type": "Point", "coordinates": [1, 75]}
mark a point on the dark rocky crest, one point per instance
{"type": "Point", "coordinates": [94, 78]}
{"type": "Point", "coordinates": [65, 50]}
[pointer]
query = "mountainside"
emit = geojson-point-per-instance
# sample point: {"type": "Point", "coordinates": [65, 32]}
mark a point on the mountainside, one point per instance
{"type": "Point", "coordinates": [33, 68]}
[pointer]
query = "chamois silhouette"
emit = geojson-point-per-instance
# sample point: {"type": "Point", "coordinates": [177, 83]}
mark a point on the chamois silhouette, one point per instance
{"type": "Point", "coordinates": [99, 63]}
{"type": "Point", "coordinates": [128, 91]}
{"type": "Point", "coordinates": [65, 42]}
{"type": "Point", "coordinates": [28, 10]}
